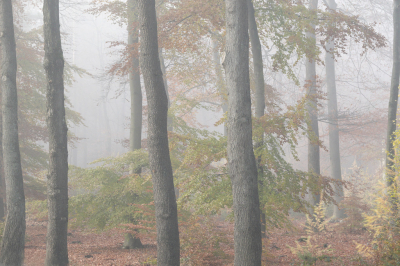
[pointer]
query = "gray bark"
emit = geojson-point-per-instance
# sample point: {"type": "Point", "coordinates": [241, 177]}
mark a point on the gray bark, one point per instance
{"type": "Point", "coordinates": [241, 161]}
{"type": "Point", "coordinates": [170, 126]}
{"type": "Point", "coordinates": [221, 86]}
{"type": "Point", "coordinates": [135, 140]}
{"type": "Point", "coordinates": [312, 108]}
{"type": "Point", "coordinates": [258, 66]}
{"type": "Point", "coordinates": [334, 147]}
{"type": "Point", "coordinates": [13, 242]}
{"type": "Point", "coordinates": [168, 248]}
{"type": "Point", "coordinates": [394, 95]}
{"type": "Point", "coordinates": [3, 201]}
{"type": "Point", "coordinates": [57, 179]}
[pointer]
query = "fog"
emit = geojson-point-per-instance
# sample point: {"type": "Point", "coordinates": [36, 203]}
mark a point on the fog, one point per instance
{"type": "Point", "coordinates": [104, 103]}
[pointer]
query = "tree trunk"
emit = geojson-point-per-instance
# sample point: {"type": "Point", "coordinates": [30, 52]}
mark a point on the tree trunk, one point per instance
{"type": "Point", "coordinates": [168, 249]}
{"type": "Point", "coordinates": [57, 179]}
{"type": "Point", "coordinates": [260, 93]}
{"type": "Point", "coordinates": [241, 161]}
{"type": "Point", "coordinates": [135, 140]}
{"type": "Point", "coordinates": [3, 201]}
{"type": "Point", "coordinates": [394, 95]}
{"type": "Point", "coordinates": [334, 148]}
{"type": "Point", "coordinates": [312, 108]}
{"type": "Point", "coordinates": [170, 126]}
{"type": "Point", "coordinates": [107, 128]}
{"type": "Point", "coordinates": [13, 242]}
{"type": "Point", "coordinates": [221, 86]}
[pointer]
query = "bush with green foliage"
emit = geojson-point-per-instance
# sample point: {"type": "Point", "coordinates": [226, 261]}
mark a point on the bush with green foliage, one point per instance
{"type": "Point", "coordinates": [200, 169]}
{"type": "Point", "coordinates": [111, 194]}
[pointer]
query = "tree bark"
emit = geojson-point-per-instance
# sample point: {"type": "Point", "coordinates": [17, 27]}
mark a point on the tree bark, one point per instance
{"type": "Point", "coordinates": [13, 242]}
{"type": "Point", "coordinates": [259, 81]}
{"type": "Point", "coordinates": [168, 248]}
{"type": "Point", "coordinates": [312, 108]}
{"type": "Point", "coordinates": [170, 126]}
{"type": "Point", "coordinates": [241, 161]}
{"type": "Point", "coordinates": [135, 140]}
{"type": "Point", "coordinates": [334, 147]}
{"type": "Point", "coordinates": [394, 95]}
{"type": "Point", "coordinates": [3, 201]}
{"type": "Point", "coordinates": [57, 179]}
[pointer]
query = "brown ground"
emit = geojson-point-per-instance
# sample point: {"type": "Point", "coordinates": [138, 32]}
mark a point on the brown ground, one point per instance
{"type": "Point", "coordinates": [89, 248]}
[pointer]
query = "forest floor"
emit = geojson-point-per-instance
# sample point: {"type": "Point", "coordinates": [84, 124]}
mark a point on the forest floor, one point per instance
{"type": "Point", "coordinates": [91, 248]}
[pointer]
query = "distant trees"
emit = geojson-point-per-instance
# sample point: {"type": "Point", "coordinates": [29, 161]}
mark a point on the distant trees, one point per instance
{"type": "Point", "coordinates": [135, 139]}
{"type": "Point", "coordinates": [13, 241]}
{"type": "Point", "coordinates": [168, 247]}
{"type": "Point", "coordinates": [312, 105]}
{"type": "Point", "coordinates": [334, 148]}
{"type": "Point", "coordinates": [57, 179]}
{"type": "Point", "coordinates": [241, 161]}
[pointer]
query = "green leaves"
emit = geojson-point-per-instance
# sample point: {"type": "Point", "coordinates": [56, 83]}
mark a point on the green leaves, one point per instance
{"type": "Point", "coordinates": [111, 194]}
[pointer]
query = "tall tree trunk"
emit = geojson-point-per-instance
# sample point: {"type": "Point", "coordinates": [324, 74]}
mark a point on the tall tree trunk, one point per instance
{"type": "Point", "coordinates": [221, 86]}
{"type": "Point", "coordinates": [241, 161]}
{"type": "Point", "coordinates": [394, 95]}
{"type": "Point", "coordinates": [57, 179]}
{"type": "Point", "coordinates": [312, 107]}
{"type": "Point", "coordinates": [3, 201]}
{"type": "Point", "coordinates": [334, 148]}
{"type": "Point", "coordinates": [168, 249]}
{"type": "Point", "coordinates": [260, 92]}
{"type": "Point", "coordinates": [135, 140]}
{"type": "Point", "coordinates": [13, 242]}
{"type": "Point", "coordinates": [170, 126]}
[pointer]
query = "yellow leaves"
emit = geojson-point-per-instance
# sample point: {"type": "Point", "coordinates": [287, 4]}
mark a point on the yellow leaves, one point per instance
{"type": "Point", "coordinates": [364, 250]}
{"type": "Point", "coordinates": [318, 223]}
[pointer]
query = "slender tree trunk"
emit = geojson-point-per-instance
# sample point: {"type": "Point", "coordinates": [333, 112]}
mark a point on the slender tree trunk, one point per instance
{"type": "Point", "coordinates": [221, 86]}
{"type": "Point", "coordinates": [57, 179]}
{"type": "Point", "coordinates": [168, 249]}
{"type": "Point", "coordinates": [334, 148]}
{"type": "Point", "coordinates": [135, 137]}
{"type": "Point", "coordinates": [135, 141]}
{"type": "Point", "coordinates": [312, 108]}
{"type": "Point", "coordinates": [13, 242]}
{"type": "Point", "coordinates": [241, 161]}
{"type": "Point", "coordinates": [3, 201]}
{"type": "Point", "coordinates": [394, 95]}
{"type": "Point", "coordinates": [170, 126]}
{"type": "Point", "coordinates": [258, 66]}
{"type": "Point", "coordinates": [107, 128]}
